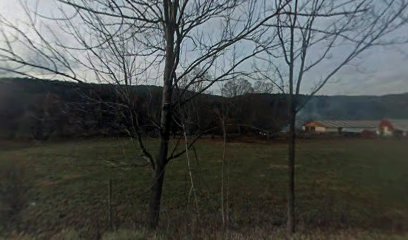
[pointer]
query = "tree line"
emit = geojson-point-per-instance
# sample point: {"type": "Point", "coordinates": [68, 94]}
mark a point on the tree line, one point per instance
{"type": "Point", "coordinates": [69, 110]}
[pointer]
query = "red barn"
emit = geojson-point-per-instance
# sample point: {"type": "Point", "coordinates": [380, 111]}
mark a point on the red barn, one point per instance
{"type": "Point", "coordinates": [393, 127]}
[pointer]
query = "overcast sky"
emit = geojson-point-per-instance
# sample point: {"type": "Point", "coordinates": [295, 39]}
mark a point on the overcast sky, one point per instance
{"type": "Point", "coordinates": [380, 71]}
{"type": "Point", "coordinates": [383, 70]}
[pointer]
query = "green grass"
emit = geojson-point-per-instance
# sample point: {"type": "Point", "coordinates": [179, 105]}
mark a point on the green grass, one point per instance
{"type": "Point", "coordinates": [346, 184]}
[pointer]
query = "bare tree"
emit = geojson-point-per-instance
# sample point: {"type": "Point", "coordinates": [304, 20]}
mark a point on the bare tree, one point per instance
{"type": "Point", "coordinates": [314, 41]}
{"type": "Point", "coordinates": [128, 42]}
{"type": "Point", "coordinates": [237, 87]}
{"type": "Point", "coordinates": [263, 86]}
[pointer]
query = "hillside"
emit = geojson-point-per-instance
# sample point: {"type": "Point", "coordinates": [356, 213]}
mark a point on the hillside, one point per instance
{"type": "Point", "coordinates": [41, 108]}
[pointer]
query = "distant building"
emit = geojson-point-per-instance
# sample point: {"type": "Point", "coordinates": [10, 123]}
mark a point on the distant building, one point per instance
{"type": "Point", "coordinates": [393, 127]}
{"type": "Point", "coordinates": [341, 126]}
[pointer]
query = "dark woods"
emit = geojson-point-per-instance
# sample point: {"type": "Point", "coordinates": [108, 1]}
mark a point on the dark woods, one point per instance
{"type": "Point", "coordinates": [42, 109]}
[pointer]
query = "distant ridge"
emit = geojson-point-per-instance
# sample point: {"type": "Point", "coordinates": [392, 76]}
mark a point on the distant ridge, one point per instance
{"type": "Point", "coordinates": [18, 97]}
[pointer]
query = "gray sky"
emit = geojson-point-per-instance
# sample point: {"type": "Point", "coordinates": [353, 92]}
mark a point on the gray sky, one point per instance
{"type": "Point", "coordinates": [379, 71]}
{"type": "Point", "coordinates": [383, 70]}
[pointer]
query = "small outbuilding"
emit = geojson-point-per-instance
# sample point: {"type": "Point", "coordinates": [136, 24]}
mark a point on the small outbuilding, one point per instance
{"type": "Point", "coordinates": [341, 126]}
{"type": "Point", "coordinates": [393, 127]}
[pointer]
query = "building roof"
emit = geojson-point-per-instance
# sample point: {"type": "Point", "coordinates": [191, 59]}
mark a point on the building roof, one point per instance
{"type": "Point", "coordinates": [347, 123]}
{"type": "Point", "coordinates": [400, 124]}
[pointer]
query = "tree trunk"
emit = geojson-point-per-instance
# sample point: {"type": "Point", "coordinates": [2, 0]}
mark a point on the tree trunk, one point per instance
{"type": "Point", "coordinates": [155, 198]}
{"type": "Point", "coordinates": [290, 226]}
{"type": "Point", "coordinates": [166, 114]}
{"type": "Point", "coordinates": [161, 161]}
{"type": "Point", "coordinates": [291, 170]}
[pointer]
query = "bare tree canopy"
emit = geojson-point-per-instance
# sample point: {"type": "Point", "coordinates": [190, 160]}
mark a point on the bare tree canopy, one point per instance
{"type": "Point", "coordinates": [237, 87]}
{"type": "Point", "coordinates": [324, 37]}
{"type": "Point", "coordinates": [262, 86]}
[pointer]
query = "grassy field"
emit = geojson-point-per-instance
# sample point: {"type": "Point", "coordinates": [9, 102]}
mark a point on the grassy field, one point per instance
{"type": "Point", "coordinates": [346, 189]}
